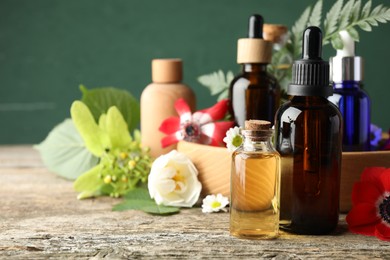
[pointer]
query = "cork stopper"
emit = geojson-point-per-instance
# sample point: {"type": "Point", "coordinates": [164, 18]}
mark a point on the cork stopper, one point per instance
{"type": "Point", "coordinates": [167, 70]}
{"type": "Point", "coordinates": [257, 125]}
{"type": "Point", "coordinates": [275, 33]}
{"type": "Point", "coordinates": [257, 130]}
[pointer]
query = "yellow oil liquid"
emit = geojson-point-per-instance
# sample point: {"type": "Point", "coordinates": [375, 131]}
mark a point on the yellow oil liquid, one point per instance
{"type": "Point", "coordinates": [254, 209]}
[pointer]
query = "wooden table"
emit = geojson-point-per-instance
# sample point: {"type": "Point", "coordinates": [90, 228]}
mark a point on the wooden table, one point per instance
{"type": "Point", "coordinates": [40, 217]}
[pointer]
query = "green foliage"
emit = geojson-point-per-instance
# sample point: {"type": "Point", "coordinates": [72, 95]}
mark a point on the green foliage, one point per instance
{"type": "Point", "coordinates": [96, 147]}
{"type": "Point", "coordinates": [101, 99]}
{"type": "Point", "coordinates": [64, 152]}
{"type": "Point", "coordinates": [348, 16]}
{"type": "Point", "coordinates": [123, 163]}
{"type": "Point", "coordinates": [217, 82]}
{"type": "Point", "coordinates": [139, 199]}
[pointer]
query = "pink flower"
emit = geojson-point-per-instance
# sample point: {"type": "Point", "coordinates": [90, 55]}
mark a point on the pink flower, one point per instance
{"type": "Point", "coordinates": [370, 213]}
{"type": "Point", "coordinates": [198, 127]}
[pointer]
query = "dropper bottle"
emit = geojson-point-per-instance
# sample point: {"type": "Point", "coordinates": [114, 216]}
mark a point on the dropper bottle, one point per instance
{"type": "Point", "coordinates": [254, 93]}
{"type": "Point", "coordinates": [353, 102]}
{"type": "Point", "coordinates": [308, 137]}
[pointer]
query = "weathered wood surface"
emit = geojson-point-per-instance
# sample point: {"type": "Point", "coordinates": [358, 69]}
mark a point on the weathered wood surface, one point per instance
{"type": "Point", "coordinates": [40, 218]}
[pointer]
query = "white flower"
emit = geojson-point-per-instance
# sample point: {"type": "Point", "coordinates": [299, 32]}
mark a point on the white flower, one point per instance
{"type": "Point", "coordinates": [214, 203]}
{"type": "Point", "coordinates": [233, 138]}
{"type": "Point", "coordinates": [173, 180]}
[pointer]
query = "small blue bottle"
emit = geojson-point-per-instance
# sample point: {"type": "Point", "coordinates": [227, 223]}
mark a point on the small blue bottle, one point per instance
{"type": "Point", "coordinates": [349, 96]}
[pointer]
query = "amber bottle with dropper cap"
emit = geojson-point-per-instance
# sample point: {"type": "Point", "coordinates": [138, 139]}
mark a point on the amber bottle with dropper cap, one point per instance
{"type": "Point", "coordinates": [309, 139]}
{"type": "Point", "coordinates": [254, 93]}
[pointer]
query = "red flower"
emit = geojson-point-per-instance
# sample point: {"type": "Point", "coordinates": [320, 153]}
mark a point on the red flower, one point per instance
{"type": "Point", "coordinates": [370, 213]}
{"type": "Point", "coordinates": [198, 127]}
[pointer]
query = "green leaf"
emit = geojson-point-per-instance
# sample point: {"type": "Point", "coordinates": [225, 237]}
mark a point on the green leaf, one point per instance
{"type": "Point", "coordinates": [336, 41]}
{"type": "Point", "coordinates": [89, 182]}
{"type": "Point", "coordinates": [139, 199]}
{"type": "Point", "coordinates": [364, 26]}
{"type": "Point", "coordinates": [116, 128]}
{"type": "Point", "coordinates": [366, 9]}
{"type": "Point", "coordinates": [332, 17]}
{"type": "Point", "coordinates": [353, 33]}
{"type": "Point", "coordinates": [356, 10]}
{"type": "Point", "coordinates": [297, 31]}
{"type": "Point", "coordinates": [315, 17]}
{"type": "Point", "coordinates": [101, 99]}
{"type": "Point", "coordinates": [64, 152]}
{"type": "Point", "coordinates": [216, 81]}
{"type": "Point", "coordinates": [96, 140]}
{"type": "Point", "coordinates": [345, 14]}
{"type": "Point", "coordinates": [137, 135]}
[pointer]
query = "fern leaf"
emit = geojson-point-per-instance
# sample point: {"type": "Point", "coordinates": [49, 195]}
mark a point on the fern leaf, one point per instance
{"type": "Point", "coordinates": [366, 9]}
{"type": "Point", "coordinates": [365, 26]}
{"type": "Point", "coordinates": [332, 17]}
{"type": "Point", "coordinates": [315, 17]}
{"type": "Point", "coordinates": [216, 81]}
{"type": "Point", "coordinates": [356, 10]}
{"type": "Point", "coordinates": [354, 34]}
{"type": "Point", "coordinates": [345, 14]}
{"type": "Point", "coordinates": [297, 31]}
{"type": "Point", "coordinates": [336, 41]}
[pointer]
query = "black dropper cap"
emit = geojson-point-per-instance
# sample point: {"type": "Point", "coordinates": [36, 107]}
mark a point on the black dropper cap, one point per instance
{"type": "Point", "coordinates": [310, 75]}
{"type": "Point", "coordinates": [255, 29]}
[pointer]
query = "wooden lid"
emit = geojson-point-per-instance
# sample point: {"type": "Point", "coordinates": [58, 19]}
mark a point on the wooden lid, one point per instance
{"type": "Point", "coordinates": [167, 70]}
{"type": "Point", "coordinates": [251, 50]}
{"type": "Point", "coordinates": [256, 125]}
{"type": "Point", "coordinates": [274, 32]}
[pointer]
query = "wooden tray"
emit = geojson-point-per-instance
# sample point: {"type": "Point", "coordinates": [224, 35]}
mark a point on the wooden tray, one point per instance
{"type": "Point", "coordinates": [213, 164]}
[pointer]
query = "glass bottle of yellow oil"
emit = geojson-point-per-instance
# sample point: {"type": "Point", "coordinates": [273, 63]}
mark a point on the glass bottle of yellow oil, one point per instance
{"type": "Point", "coordinates": [255, 184]}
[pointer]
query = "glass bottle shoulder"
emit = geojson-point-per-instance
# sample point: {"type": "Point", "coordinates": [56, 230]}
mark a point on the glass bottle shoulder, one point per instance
{"type": "Point", "coordinates": [293, 109]}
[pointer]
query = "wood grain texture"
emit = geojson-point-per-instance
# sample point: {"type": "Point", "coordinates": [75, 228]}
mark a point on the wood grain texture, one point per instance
{"type": "Point", "coordinates": [40, 218]}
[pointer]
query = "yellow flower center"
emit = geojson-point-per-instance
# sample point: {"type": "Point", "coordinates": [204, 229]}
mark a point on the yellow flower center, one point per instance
{"type": "Point", "coordinates": [215, 204]}
{"type": "Point", "coordinates": [178, 178]}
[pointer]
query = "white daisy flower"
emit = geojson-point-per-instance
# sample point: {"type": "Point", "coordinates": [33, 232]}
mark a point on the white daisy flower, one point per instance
{"type": "Point", "coordinates": [233, 138]}
{"type": "Point", "coordinates": [214, 203]}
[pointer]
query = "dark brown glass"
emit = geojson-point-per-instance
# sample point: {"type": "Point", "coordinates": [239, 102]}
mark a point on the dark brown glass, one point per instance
{"type": "Point", "coordinates": [308, 138]}
{"type": "Point", "coordinates": [254, 94]}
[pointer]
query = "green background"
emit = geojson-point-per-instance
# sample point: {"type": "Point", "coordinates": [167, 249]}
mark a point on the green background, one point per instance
{"type": "Point", "coordinates": [49, 47]}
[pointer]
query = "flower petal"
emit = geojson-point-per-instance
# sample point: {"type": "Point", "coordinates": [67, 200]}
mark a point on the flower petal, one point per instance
{"type": "Point", "coordinates": [362, 218]}
{"type": "Point", "coordinates": [170, 125]}
{"type": "Point", "coordinates": [385, 179]}
{"type": "Point", "coordinates": [372, 174]}
{"type": "Point", "coordinates": [217, 111]}
{"type": "Point", "coordinates": [382, 231]}
{"type": "Point", "coordinates": [365, 192]}
{"type": "Point", "coordinates": [216, 131]}
{"type": "Point", "coordinates": [170, 139]}
{"type": "Point", "coordinates": [182, 107]}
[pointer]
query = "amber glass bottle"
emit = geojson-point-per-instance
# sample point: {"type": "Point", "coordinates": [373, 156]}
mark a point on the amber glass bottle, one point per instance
{"type": "Point", "coordinates": [254, 94]}
{"type": "Point", "coordinates": [309, 139]}
{"type": "Point", "coordinates": [255, 184]}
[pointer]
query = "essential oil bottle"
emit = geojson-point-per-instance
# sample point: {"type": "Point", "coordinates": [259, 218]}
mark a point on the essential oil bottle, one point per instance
{"type": "Point", "coordinates": [255, 180]}
{"type": "Point", "coordinates": [254, 93]}
{"type": "Point", "coordinates": [349, 96]}
{"type": "Point", "coordinates": [309, 140]}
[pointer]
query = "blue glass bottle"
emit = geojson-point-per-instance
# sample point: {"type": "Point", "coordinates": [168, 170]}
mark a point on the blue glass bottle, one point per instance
{"type": "Point", "coordinates": [352, 101]}
{"type": "Point", "coordinates": [354, 105]}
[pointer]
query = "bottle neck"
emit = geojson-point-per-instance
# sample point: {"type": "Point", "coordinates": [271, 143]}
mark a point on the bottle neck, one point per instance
{"type": "Point", "coordinates": [254, 67]}
{"type": "Point", "coordinates": [309, 99]}
{"type": "Point", "coordinates": [258, 144]}
{"type": "Point", "coordinates": [348, 84]}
